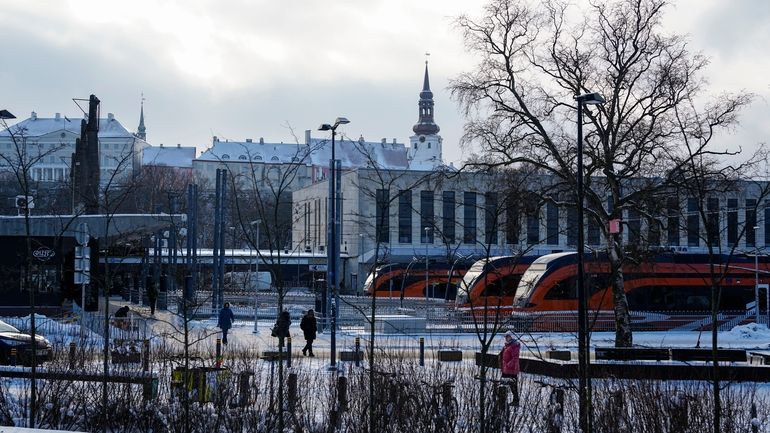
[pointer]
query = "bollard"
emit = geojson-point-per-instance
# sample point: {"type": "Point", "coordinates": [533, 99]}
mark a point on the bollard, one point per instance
{"type": "Point", "coordinates": [292, 392]}
{"type": "Point", "coordinates": [288, 351]}
{"type": "Point", "coordinates": [146, 355]}
{"type": "Point", "coordinates": [342, 392]}
{"type": "Point", "coordinates": [13, 356]}
{"type": "Point", "coordinates": [422, 351]}
{"type": "Point", "coordinates": [72, 355]}
{"type": "Point", "coordinates": [358, 351]}
{"type": "Point", "coordinates": [218, 362]}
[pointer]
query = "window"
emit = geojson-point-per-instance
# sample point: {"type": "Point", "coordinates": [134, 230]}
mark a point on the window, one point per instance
{"type": "Point", "coordinates": [512, 222]}
{"type": "Point", "coordinates": [634, 226]}
{"type": "Point", "coordinates": [533, 224]}
{"type": "Point", "coordinates": [274, 159]}
{"type": "Point", "coordinates": [712, 219]}
{"type": "Point", "coordinates": [225, 156]}
{"type": "Point", "coordinates": [693, 223]}
{"type": "Point", "coordinates": [405, 216]}
{"type": "Point", "coordinates": [572, 226]}
{"type": "Point", "coordinates": [242, 157]}
{"type": "Point", "coordinates": [767, 222]}
{"type": "Point", "coordinates": [672, 226]}
{"type": "Point", "coordinates": [593, 236]}
{"type": "Point", "coordinates": [751, 222]}
{"type": "Point", "coordinates": [469, 217]}
{"type": "Point", "coordinates": [490, 218]}
{"type": "Point", "coordinates": [552, 224]}
{"type": "Point", "coordinates": [426, 216]}
{"type": "Point", "coordinates": [448, 216]}
{"type": "Point", "coordinates": [732, 221]}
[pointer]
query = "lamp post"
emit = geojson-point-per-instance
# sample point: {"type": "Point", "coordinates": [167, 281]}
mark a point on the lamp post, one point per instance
{"type": "Point", "coordinates": [333, 244]}
{"type": "Point", "coordinates": [583, 337]}
{"type": "Point", "coordinates": [427, 240]}
{"type": "Point", "coordinates": [256, 287]}
{"type": "Point", "coordinates": [360, 261]}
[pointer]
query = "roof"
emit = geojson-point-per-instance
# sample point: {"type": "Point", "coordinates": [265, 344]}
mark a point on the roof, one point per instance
{"type": "Point", "coordinates": [174, 156]}
{"type": "Point", "coordinates": [39, 126]}
{"type": "Point", "coordinates": [317, 152]}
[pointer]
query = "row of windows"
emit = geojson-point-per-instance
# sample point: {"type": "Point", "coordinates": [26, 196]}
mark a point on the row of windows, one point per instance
{"type": "Point", "coordinates": [509, 221]}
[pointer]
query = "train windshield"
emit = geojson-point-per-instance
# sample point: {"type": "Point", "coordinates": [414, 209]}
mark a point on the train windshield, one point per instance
{"type": "Point", "coordinates": [469, 279]}
{"type": "Point", "coordinates": [528, 282]}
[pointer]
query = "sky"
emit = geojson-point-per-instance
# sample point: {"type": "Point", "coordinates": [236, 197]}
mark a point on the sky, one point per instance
{"type": "Point", "coordinates": [239, 69]}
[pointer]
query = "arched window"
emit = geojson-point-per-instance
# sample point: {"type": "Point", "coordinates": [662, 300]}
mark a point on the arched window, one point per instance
{"type": "Point", "coordinates": [258, 157]}
{"type": "Point", "coordinates": [275, 158]}
{"type": "Point", "coordinates": [225, 156]}
{"type": "Point", "coordinates": [242, 157]}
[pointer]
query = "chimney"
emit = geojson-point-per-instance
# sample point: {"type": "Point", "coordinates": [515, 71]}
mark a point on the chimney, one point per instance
{"type": "Point", "coordinates": [307, 137]}
{"type": "Point", "coordinates": [215, 139]}
{"type": "Point", "coordinates": [261, 140]}
{"type": "Point", "coordinates": [110, 117]}
{"type": "Point", "coordinates": [384, 140]}
{"type": "Point", "coordinates": [58, 116]}
{"type": "Point", "coordinates": [161, 144]}
{"type": "Point", "coordinates": [394, 141]}
{"type": "Point", "coordinates": [179, 145]}
{"type": "Point", "coordinates": [33, 116]}
{"type": "Point", "coordinates": [248, 140]}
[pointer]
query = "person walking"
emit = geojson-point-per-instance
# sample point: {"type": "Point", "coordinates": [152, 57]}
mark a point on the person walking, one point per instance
{"type": "Point", "coordinates": [281, 327]}
{"type": "Point", "coordinates": [225, 321]}
{"type": "Point", "coordinates": [509, 364]}
{"type": "Point", "coordinates": [152, 297]}
{"type": "Point", "coordinates": [309, 327]}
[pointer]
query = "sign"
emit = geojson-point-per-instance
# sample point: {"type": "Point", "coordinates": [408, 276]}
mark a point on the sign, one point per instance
{"type": "Point", "coordinates": [43, 254]}
{"type": "Point", "coordinates": [82, 236]}
{"type": "Point", "coordinates": [317, 268]}
{"type": "Point", "coordinates": [614, 226]}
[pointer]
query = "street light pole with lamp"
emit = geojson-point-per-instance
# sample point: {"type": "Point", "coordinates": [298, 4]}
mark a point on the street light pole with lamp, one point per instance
{"type": "Point", "coordinates": [427, 241]}
{"type": "Point", "coordinates": [333, 244]}
{"type": "Point", "coordinates": [584, 388]}
{"type": "Point", "coordinates": [256, 287]}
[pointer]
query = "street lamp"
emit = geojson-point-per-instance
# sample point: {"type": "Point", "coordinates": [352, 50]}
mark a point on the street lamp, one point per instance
{"type": "Point", "coordinates": [583, 337]}
{"type": "Point", "coordinates": [427, 240]}
{"type": "Point", "coordinates": [256, 288]}
{"type": "Point", "coordinates": [360, 260]}
{"type": "Point", "coordinates": [333, 244]}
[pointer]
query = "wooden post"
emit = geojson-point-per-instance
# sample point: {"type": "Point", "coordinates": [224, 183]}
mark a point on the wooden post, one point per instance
{"type": "Point", "coordinates": [358, 351]}
{"type": "Point", "coordinates": [244, 388]}
{"type": "Point", "coordinates": [146, 355]}
{"type": "Point", "coordinates": [501, 400]}
{"type": "Point", "coordinates": [288, 351]}
{"type": "Point", "coordinates": [292, 391]}
{"type": "Point", "coordinates": [72, 355]}
{"type": "Point", "coordinates": [422, 351]}
{"type": "Point", "coordinates": [218, 355]}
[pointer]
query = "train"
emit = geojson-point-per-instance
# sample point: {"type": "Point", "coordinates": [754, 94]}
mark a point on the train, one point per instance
{"type": "Point", "coordinates": [408, 280]}
{"type": "Point", "coordinates": [492, 282]}
{"type": "Point", "coordinates": [669, 282]}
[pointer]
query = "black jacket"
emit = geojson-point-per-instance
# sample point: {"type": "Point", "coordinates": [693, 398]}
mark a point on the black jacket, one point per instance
{"type": "Point", "coordinates": [281, 327]}
{"type": "Point", "coordinates": [309, 326]}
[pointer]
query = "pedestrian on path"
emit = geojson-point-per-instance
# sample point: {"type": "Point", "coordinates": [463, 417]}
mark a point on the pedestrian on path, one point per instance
{"type": "Point", "coordinates": [225, 321]}
{"type": "Point", "coordinates": [509, 364]}
{"type": "Point", "coordinates": [309, 327]}
{"type": "Point", "coordinates": [281, 327]}
{"type": "Point", "coordinates": [152, 297]}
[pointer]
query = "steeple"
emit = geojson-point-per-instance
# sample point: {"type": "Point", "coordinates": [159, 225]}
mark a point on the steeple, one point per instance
{"type": "Point", "coordinates": [426, 125]}
{"type": "Point", "coordinates": [141, 131]}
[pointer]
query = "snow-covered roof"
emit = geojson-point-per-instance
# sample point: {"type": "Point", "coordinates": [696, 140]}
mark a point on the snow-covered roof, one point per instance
{"type": "Point", "coordinates": [317, 152]}
{"type": "Point", "coordinates": [174, 156]}
{"type": "Point", "coordinates": [38, 126]}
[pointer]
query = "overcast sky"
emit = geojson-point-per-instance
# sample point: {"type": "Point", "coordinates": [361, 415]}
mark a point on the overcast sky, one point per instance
{"type": "Point", "coordinates": [242, 69]}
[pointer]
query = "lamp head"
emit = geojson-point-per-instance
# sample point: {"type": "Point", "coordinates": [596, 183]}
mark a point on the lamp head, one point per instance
{"type": "Point", "coordinates": [341, 121]}
{"type": "Point", "coordinates": [590, 99]}
{"type": "Point", "coordinates": [325, 127]}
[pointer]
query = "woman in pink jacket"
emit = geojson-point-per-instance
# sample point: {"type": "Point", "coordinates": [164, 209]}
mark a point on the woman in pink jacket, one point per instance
{"type": "Point", "coordinates": [509, 364]}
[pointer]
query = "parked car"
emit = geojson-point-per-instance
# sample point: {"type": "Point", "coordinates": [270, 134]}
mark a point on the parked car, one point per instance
{"type": "Point", "coordinates": [11, 338]}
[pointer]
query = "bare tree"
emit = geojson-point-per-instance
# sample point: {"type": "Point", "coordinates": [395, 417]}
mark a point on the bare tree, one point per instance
{"type": "Point", "coordinates": [533, 62]}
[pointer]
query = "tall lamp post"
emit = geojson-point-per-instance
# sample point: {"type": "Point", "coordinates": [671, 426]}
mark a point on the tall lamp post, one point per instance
{"type": "Point", "coordinates": [333, 244]}
{"type": "Point", "coordinates": [583, 337]}
{"type": "Point", "coordinates": [427, 241]}
{"type": "Point", "coordinates": [256, 287]}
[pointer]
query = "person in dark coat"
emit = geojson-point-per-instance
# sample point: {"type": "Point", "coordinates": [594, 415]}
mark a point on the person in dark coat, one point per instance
{"type": "Point", "coordinates": [309, 327]}
{"type": "Point", "coordinates": [152, 297]}
{"type": "Point", "coordinates": [121, 317]}
{"type": "Point", "coordinates": [281, 327]}
{"type": "Point", "coordinates": [225, 321]}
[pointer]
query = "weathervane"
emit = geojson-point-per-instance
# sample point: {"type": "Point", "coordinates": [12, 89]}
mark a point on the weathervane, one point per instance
{"type": "Point", "coordinates": [427, 54]}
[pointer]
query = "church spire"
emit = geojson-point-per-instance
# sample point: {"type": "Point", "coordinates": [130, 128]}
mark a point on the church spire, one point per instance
{"type": "Point", "coordinates": [426, 125]}
{"type": "Point", "coordinates": [141, 131]}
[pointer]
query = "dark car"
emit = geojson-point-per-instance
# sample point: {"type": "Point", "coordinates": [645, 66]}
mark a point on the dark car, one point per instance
{"type": "Point", "coordinates": [11, 338]}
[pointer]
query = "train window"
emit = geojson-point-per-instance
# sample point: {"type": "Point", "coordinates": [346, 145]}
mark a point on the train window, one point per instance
{"type": "Point", "coordinates": [563, 289]}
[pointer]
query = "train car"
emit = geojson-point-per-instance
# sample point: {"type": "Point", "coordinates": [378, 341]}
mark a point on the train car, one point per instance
{"type": "Point", "coordinates": [396, 280]}
{"type": "Point", "coordinates": [668, 282]}
{"type": "Point", "coordinates": [492, 282]}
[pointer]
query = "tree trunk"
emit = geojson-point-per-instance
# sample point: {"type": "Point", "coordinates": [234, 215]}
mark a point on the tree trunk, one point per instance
{"type": "Point", "coordinates": [623, 335]}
